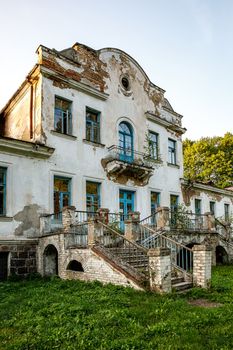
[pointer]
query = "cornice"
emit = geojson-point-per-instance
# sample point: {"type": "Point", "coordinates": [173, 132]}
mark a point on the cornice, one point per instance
{"type": "Point", "coordinates": [24, 148]}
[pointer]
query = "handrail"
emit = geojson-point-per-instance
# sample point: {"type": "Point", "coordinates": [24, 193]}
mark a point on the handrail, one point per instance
{"type": "Point", "coordinates": [124, 238]}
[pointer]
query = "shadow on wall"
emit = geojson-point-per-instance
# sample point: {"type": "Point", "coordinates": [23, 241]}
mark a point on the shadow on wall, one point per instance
{"type": "Point", "coordinates": [221, 256]}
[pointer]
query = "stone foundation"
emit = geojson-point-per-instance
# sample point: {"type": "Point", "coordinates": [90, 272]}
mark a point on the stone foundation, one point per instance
{"type": "Point", "coordinates": [22, 257]}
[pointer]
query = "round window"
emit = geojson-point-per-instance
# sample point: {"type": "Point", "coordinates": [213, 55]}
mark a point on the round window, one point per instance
{"type": "Point", "coordinates": [125, 83]}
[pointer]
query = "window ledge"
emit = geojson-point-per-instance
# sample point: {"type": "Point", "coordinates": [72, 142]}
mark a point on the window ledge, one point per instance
{"type": "Point", "coordinates": [66, 136]}
{"type": "Point", "coordinates": [173, 165]}
{"type": "Point", "coordinates": [95, 144]}
{"type": "Point", "coordinates": [6, 218]}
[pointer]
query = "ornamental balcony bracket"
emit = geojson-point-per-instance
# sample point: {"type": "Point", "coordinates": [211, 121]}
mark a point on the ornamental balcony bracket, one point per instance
{"type": "Point", "coordinates": [123, 165]}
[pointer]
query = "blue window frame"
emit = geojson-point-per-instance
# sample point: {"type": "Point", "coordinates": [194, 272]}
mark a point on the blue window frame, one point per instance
{"type": "Point", "coordinates": [126, 203]}
{"type": "Point", "coordinates": [197, 206]}
{"type": "Point", "coordinates": [62, 194]}
{"type": "Point", "coordinates": [171, 151]}
{"type": "Point", "coordinates": [126, 142]}
{"type": "Point", "coordinates": [154, 204]}
{"type": "Point", "coordinates": [92, 125]}
{"type": "Point", "coordinates": [92, 196]}
{"type": "Point", "coordinates": [153, 145]}
{"type": "Point", "coordinates": [3, 191]}
{"type": "Point", "coordinates": [62, 116]}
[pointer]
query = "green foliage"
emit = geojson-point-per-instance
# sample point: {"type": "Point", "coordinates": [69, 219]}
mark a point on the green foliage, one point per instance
{"type": "Point", "coordinates": [55, 314]}
{"type": "Point", "coordinates": [209, 159]}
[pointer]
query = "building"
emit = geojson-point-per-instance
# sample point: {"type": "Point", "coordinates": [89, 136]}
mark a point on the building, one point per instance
{"type": "Point", "coordinates": [87, 128]}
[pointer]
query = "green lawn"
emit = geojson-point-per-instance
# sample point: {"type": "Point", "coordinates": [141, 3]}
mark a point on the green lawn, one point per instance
{"type": "Point", "coordinates": [56, 314]}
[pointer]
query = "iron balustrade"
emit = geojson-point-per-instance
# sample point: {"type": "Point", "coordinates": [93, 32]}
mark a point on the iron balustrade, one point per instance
{"type": "Point", "coordinates": [150, 221]}
{"type": "Point", "coordinates": [129, 155]}
{"type": "Point", "coordinates": [126, 250]}
{"type": "Point", "coordinates": [181, 220]}
{"type": "Point", "coordinates": [82, 216]}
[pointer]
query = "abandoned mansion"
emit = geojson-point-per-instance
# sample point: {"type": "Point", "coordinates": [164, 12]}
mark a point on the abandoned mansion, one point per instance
{"type": "Point", "coordinates": [91, 179]}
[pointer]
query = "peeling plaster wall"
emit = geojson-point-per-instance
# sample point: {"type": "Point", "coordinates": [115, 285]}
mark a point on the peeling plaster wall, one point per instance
{"type": "Point", "coordinates": [16, 122]}
{"type": "Point", "coordinates": [82, 161]}
{"type": "Point", "coordinates": [191, 193]}
{"type": "Point", "coordinates": [28, 192]}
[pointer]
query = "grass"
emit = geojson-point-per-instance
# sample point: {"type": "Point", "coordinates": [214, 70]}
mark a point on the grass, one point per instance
{"type": "Point", "coordinates": [54, 314]}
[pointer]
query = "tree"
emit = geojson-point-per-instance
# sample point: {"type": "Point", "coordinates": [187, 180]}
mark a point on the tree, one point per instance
{"type": "Point", "coordinates": [209, 160]}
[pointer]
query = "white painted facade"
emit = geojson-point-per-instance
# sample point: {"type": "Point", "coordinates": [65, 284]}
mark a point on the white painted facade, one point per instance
{"type": "Point", "coordinates": [93, 79]}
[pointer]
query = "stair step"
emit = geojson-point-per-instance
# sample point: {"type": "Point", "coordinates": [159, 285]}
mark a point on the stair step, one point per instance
{"type": "Point", "coordinates": [176, 280]}
{"type": "Point", "coordinates": [182, 286]}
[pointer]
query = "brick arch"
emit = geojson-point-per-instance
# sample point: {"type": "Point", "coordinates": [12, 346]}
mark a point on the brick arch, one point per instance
{"type": "Point", "coordinates": [75, 265]}
{"type": "Point", "coordinates": [50, 260]}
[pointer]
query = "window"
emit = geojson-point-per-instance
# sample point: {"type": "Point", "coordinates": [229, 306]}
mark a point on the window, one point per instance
{"type": "Point", "coordinates": [212, 208]}
{"type": "Point", "coordinates": [174, 201]}
{"type": "Point", "coordinates": [154, 201]}
{"type": "Point", "coordinates": [171, 151]}
{"type": "Point", "coordinates": [62, 116]}
{"type": "Point", "coordinates": [92, 196]}
{"type": "Point", "coordinates": [2, 191]}
{"type": "Point", "coordinates": [153, 145]}
{"type": "Point", "coordinates": [154, 204]}
{"type": "Point", "coordinates": [92, 125]}
{"type": "Point", "coordinates": [126, 142]}
{"type": "Point", "coordinates": [226, 212]}
{"type": "Point", "coordinates": [62, 194]}
{"type": "Point", "coordinates": [198, 206]}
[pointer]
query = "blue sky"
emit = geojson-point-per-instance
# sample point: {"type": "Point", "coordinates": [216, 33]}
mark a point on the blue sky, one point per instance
{"type": "Point", "coordinates": [185, 47]}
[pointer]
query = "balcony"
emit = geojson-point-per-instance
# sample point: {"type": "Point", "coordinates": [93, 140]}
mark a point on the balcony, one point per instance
{"type": "Point", "coordinates": [123, 164]}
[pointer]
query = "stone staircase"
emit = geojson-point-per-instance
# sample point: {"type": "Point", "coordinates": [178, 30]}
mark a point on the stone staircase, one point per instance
{"type": "Point", "coordinates": [180, 285]}
{"type": "Point", "coordinates": [134, 258]}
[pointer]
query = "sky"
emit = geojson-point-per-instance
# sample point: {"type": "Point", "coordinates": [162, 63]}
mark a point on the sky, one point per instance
{"type": "Point", "coordinates": [184, 46]}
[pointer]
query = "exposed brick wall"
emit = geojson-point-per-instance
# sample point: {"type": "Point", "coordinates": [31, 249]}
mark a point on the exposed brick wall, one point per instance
{"type": "Point", "coordinates": [22, 258]}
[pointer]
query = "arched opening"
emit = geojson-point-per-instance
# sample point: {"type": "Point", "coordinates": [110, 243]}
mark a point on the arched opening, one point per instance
{"type": "Point", "coordinates": [75, 265]}
{"type": "Point", "coordinates": [126, 141]}
{"type": "Point", "coordinates": [50, 258]}
{"type": "Point", "coordinates": [221, 255]}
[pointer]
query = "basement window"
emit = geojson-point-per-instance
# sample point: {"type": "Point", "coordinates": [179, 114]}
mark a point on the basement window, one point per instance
{"type": "Point", "coordinates": [3, 191]}
{"type": "Point", "coordinates": [62, 116]}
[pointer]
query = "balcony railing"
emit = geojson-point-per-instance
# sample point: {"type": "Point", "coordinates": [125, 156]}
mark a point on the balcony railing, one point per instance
{"type": "Point", "coordinates": [187, 221]}
{"type": "Point", "coordinates": [130, 156]}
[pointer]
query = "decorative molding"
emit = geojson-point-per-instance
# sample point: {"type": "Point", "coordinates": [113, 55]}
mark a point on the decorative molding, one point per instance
{"type": "Point", "coordinates": [25, 148]}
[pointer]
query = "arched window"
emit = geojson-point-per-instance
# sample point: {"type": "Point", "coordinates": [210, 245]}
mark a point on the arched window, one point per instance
{"type": "Point", "coordinates": [126, 142]}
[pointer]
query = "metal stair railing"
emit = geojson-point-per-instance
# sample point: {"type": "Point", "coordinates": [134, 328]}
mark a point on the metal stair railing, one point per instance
{"type": "Point", "coordinates": [125, 249]}
{"type": "Point", "coordinates": [150, 221]}
{"type": "Point", "coordinates": [223, 232]}
{"type": "Point", "coordinates": [181, 256]}
{"type": "Point", "coordinates": [147, 236]}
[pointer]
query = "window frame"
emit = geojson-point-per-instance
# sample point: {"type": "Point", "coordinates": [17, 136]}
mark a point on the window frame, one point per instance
{"type": "Point", "coordinates": [172, 156]}
{"type": "Point", "coordinates": [4, 190]}
{"type": "Point", "coordinates": [153, 145]}
{"type": "Point", "coordinates": [63, 192]}
{"type": "Point", "coordinates": [212, 210]}
{"type": "Point", "coordinates": [226, 212]}
{"type": "Point", "coordinates": [93, 124]}
{"type": "Point", "coordinates": [98, 196]}
{"type": "Point", "coordinates": [69, 126]}
{"type": "Point", "coordinates": [199, 201]}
